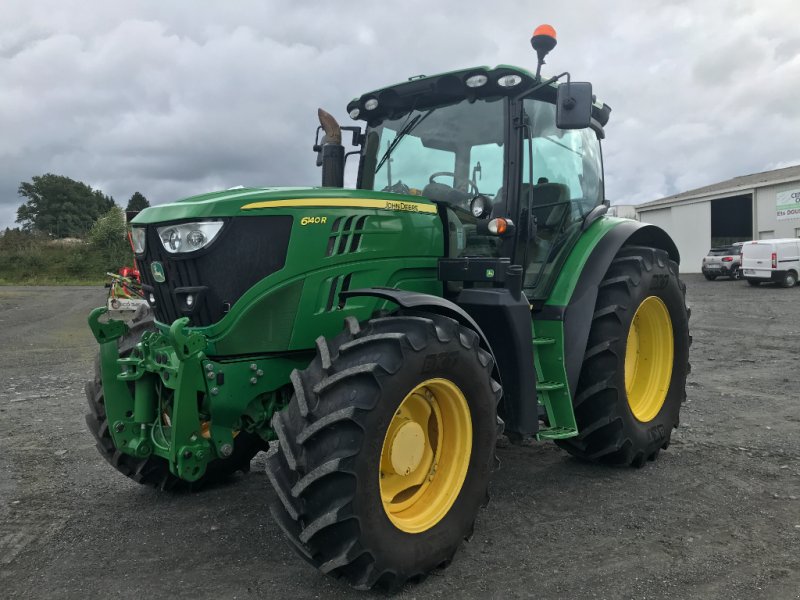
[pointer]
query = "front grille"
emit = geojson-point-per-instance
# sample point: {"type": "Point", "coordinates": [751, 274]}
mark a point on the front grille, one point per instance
{"type": "Point", "coordinates": [247, 250]}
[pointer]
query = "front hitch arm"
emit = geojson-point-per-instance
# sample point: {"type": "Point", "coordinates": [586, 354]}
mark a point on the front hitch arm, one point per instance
{"type": "Point", "coordinates": [108, 331]}
{"type": "Point", "coordinates": [185, 345]}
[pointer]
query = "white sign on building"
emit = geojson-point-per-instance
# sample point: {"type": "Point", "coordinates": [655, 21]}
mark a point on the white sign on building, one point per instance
{"type": "Point", "coordinates": [787, 205]}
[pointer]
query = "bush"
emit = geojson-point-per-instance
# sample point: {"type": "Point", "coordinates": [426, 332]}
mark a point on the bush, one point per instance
{"type": "Point", "coordinates": [109, 238]}
{"type": "Point", "coordinates": [31, 259]}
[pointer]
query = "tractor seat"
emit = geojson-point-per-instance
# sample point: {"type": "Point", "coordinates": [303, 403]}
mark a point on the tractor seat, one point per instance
{"type": "Point", "coordinates": [544, 204]}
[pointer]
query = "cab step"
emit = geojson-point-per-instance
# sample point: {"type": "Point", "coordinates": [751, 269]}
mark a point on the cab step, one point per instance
{"type": "Point", "coordinates": [556, 433]}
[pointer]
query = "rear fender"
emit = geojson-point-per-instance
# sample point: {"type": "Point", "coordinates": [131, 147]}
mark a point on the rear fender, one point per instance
{"type": "Point", "coordinates": [578, 312]}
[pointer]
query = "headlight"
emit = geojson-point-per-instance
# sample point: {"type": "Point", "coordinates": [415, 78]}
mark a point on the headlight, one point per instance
{"type": "Point", "coordinates": [476, 81]}
{"type": "Point", "coordinates": [509, 80]}
{"type": "Point", "coordinates": [139, 237]}
{"type": "Point", "coordinates": [188, 237]}
{"type": "Point", "coordinates": [480, 206]}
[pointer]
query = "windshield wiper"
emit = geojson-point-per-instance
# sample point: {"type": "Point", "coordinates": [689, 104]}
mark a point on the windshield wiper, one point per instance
{"type": "Point", "coordinates": [406, 129]}
{"type": "Point", "coordinates": [552, 141]}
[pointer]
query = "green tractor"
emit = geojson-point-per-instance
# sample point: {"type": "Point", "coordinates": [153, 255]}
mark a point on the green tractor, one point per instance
{"type": "Point", "coordinates": [377, 341]}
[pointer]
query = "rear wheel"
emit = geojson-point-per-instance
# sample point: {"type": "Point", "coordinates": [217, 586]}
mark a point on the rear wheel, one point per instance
{"type": "Point", "coordinates": [154, 470]}
{"type": "Point", "coordinates": [789, 280]}
{"type": "Point", "coordinates": [633, 378]}
{"type": "Point", "coordinates": [385, 449]}
{"type": "Point", "coordinates": [709, 276]}
{"type": "Point", "coordinates": [736, 274]}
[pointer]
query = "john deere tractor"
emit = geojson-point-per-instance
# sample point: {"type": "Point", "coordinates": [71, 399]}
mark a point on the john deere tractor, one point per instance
{"type": "Point", "coordinates": [377, 341]}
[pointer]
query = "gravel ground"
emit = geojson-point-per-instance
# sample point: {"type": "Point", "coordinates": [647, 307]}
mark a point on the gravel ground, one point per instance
{"type": "Point", "coordinates": [717, 516]}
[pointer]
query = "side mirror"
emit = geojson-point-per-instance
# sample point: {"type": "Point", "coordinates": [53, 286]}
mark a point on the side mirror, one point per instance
{"type": "Point", "coordinates": [574, 105]}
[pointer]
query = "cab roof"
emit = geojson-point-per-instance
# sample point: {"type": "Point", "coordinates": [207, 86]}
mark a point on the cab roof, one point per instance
{"type": "Point", "coordinates": [424, 91]}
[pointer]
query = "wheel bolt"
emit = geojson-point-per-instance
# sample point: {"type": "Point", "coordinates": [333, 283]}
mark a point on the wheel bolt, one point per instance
{"type": "Point", "coordinates": [226, 450]}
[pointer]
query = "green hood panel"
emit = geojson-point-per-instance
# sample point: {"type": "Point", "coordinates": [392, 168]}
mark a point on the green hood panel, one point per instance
{"type": "Point", "coordinates": [230, 203]}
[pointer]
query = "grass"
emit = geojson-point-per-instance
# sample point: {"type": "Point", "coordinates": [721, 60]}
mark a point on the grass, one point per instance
{"type": "Point", "coordinates": [45, 281]}
{"type": "Point", "coordinates": [40, 262]}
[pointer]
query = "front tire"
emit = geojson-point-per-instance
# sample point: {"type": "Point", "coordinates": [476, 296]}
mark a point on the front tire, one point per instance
{"type": "Point", "coordinates": [361, 494]}
{"type": "Point", "coordinates": [633, 379]}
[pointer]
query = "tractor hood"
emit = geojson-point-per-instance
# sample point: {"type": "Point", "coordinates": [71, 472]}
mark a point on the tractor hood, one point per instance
{"type": "Point", "coordinates": [243, 201]}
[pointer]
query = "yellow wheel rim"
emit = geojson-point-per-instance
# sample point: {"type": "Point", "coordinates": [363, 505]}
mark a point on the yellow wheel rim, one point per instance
{"type": "Point", "coordinates": [648, 359]}
{"type": "Point", "coordinates": [425, 455]}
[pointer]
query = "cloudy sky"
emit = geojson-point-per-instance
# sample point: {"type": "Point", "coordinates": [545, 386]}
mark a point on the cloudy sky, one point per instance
{"type": "Point", "coordinates": [176, 98]}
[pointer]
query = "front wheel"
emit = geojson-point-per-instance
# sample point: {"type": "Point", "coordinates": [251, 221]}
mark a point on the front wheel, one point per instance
{"type": "Point", "coordinates": [384, 451]}
{"type": "Point", "coordinates": [633, 378]}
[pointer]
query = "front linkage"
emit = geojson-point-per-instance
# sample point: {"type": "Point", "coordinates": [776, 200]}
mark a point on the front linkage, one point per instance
{"type": "Point", "coordinates": [168, 399]}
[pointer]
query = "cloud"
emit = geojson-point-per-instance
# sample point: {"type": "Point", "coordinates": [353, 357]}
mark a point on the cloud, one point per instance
{"type": "Point", "coordinates": [172, 99]}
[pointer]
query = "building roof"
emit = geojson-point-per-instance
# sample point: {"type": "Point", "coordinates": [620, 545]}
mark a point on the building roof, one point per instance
{"type": "Point", "coordinates": [742, 183]}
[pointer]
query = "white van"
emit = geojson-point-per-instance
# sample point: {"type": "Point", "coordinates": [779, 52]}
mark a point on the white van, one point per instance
{"type": "Point", "coordinates": [771, 260]}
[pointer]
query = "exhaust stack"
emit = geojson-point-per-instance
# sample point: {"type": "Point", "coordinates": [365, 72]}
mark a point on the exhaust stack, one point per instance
{"type": "Point", "coordinates": [331, 152]}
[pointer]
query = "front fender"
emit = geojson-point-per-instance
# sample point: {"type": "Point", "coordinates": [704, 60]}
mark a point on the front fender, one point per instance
{"type": "Point", "coordinates": [420, 301]}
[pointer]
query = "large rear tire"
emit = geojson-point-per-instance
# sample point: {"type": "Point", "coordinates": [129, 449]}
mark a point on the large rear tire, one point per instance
{"type": "Point", "coordinates": [154, 470]}
{"type": "Point", "coordinates": [633, 378]}
{"type": "Point", "coordinates": [385, 449]}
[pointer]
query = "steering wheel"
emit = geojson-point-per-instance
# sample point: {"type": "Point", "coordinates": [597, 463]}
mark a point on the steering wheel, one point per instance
{"type": "Point", "coordinates": [398, 187]}
{"type": "Point", "coordinates": [453, 175]}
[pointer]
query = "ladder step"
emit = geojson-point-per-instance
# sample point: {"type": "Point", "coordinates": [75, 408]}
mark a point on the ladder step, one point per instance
{"type": "Point", "coordinates": [549, 386]}
{"type": "Point", "coordinates": [543, 341]}
{"type": "Point", "coordinates": [556, 433]}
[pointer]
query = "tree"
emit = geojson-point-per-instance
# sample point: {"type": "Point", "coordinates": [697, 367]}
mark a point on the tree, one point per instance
{"type": "Point", "coordinates": [137, 202]}
{"type": "Point", "coordinates": [60, 206]}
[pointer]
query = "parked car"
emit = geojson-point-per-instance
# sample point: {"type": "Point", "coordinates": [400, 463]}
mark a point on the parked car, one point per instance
{"type": "Point", "coordinates": [724, 261]}
{"type": "Point", "coordinates": [772, 260]}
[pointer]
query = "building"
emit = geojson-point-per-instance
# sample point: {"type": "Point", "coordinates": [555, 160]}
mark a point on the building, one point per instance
{"type": "Point", "coordinates": [624, 211]}
{"type": "Point", "coordinates": [751, 207]}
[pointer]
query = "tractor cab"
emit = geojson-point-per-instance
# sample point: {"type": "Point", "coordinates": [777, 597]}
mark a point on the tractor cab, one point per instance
{"type": "Point", "coordinates": [500, 151]}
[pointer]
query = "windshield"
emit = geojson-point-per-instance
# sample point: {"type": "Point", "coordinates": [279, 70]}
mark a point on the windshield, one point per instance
{"type": "Point", "coordinates": [725, 251]}
{"type": "Point", "coordinates": [449, 153]}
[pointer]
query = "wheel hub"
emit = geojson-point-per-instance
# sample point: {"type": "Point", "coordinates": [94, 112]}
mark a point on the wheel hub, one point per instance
{"type": "Point", "coordinates": [408, 447]}
{"type": "Point", "coordinates": [649, 355]}
{"type": "Point", "coordinates": [425, 455]}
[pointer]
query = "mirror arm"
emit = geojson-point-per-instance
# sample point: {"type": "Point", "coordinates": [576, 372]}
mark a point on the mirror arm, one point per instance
{"type": "Point", "coordinates": [540, 85]}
